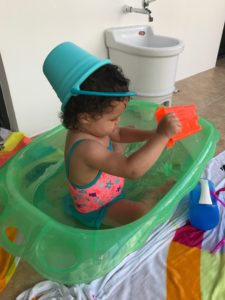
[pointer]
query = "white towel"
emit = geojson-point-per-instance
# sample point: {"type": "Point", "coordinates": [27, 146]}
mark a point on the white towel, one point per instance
{"type": "Point", "coordinates": [141, 275]}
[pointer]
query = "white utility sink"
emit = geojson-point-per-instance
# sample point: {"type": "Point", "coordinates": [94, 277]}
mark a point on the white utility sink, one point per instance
{"type": "Point", "coordinates": [148, 60]}
{"type": "Point", "coordinates": [142, 40]}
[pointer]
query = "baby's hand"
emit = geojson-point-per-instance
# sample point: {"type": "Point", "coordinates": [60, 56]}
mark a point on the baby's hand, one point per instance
{"type": "Point", "coordinates": [169, 125]}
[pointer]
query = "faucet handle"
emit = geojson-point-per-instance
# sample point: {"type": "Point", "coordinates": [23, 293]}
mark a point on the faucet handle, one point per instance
{"type": "Point", "coordinates": [147, 2]}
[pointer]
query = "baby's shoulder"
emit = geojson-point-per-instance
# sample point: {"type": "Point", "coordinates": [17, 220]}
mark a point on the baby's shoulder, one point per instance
{"type": "Point", "coordinates": [85, 145]}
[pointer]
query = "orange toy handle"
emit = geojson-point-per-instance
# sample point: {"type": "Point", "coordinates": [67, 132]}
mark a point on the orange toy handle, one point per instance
{"type": "Point", "coordinates": [187, 117]}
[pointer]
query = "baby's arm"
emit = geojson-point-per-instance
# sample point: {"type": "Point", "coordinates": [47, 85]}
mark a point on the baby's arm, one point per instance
{"type": "Point", "coordinates": [137, 163]}
{"type": "Point", "coordinates": [148, 154]}
{"type": "Point", "coordinates": [130, 135]}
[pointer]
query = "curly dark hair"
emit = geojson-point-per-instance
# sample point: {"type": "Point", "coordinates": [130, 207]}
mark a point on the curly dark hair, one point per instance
{"type": "Point", "coordinates": [108, 78]}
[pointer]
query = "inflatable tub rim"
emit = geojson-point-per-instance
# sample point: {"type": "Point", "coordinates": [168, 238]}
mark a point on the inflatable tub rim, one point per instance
{"type": "Point", "coordinates": [53, 131]}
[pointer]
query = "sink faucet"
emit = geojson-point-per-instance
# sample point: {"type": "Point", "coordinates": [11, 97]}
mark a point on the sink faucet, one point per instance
{"type": "Point", "coordinates": [144, 10]}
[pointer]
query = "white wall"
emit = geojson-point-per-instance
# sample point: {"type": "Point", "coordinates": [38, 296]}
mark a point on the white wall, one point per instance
{"type": "Point", "coordinates": [30, 29]}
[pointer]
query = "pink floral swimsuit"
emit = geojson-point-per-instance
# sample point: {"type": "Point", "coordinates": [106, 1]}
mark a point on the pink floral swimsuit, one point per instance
{"type": "Point", "coordinates": [104, 189]}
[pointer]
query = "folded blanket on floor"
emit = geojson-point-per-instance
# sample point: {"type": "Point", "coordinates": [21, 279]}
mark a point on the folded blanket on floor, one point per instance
{"type": "Point", "coordinates": [8, 263]}
{"type": "Point", "coordinates": [175, 263]}
{"type": "Point", "coordinates": [10, 144]}
{"type": "Point", "coordinates": [13, 143]}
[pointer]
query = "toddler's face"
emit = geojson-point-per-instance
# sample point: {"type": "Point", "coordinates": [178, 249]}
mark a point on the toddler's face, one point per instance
{"type": "Point", "coordinates": [109, 121]}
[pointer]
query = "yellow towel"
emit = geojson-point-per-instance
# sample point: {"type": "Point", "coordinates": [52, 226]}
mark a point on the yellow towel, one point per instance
{"type": "Point", "coordinates": [12, 141]}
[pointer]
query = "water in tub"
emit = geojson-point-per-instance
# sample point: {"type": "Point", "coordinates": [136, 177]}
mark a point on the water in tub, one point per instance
{"type": "Point", "coordinates": [46, 182]}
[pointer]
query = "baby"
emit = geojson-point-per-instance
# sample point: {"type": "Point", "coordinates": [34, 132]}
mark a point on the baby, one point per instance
{"type": "Point", "coordinates": [91, 112]}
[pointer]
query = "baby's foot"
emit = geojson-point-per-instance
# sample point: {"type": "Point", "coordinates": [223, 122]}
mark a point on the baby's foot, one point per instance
{"type": "Point", "coordinates": [152, 196]}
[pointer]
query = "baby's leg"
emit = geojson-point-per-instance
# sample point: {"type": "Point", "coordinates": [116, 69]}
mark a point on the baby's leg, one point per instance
{"type": "Point", "coordinates": [126, 211]}
{"type": "Point", "coordinates": [158, 192]}
{"type": "Point", "coordinates": [123, 212]}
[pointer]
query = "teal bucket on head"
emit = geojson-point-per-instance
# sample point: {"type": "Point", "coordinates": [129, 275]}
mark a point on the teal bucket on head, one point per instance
{"type": "Point", "coordinates": [66, 68]}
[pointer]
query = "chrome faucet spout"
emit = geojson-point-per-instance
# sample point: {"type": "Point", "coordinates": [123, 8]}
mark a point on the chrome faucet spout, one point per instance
{"type": "Point", "coordinates": [148, 11]}
{"type": "Point", "coordinates": [144, 10]}
{"type": "Point", "coordinates": [136, 10]}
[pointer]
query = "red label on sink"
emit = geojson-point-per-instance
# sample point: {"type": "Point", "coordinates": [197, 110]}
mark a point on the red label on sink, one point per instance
{"type": "Point", "coordinates": [141, 32]}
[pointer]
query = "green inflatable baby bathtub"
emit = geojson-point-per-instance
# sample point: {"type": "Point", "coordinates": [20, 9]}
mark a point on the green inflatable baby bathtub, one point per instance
{"type": "Point", "coordinates": [33, 185]}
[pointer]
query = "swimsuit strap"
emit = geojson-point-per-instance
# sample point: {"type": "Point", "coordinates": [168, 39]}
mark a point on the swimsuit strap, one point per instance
{"type": "Point", "coordinates": [71, 150]}
{"type": "Point", "coordinates": [69, 154]}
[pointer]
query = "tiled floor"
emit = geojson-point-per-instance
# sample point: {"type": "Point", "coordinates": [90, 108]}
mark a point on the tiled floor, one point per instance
{"type": "Point", "coordinates": [207, 90]}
